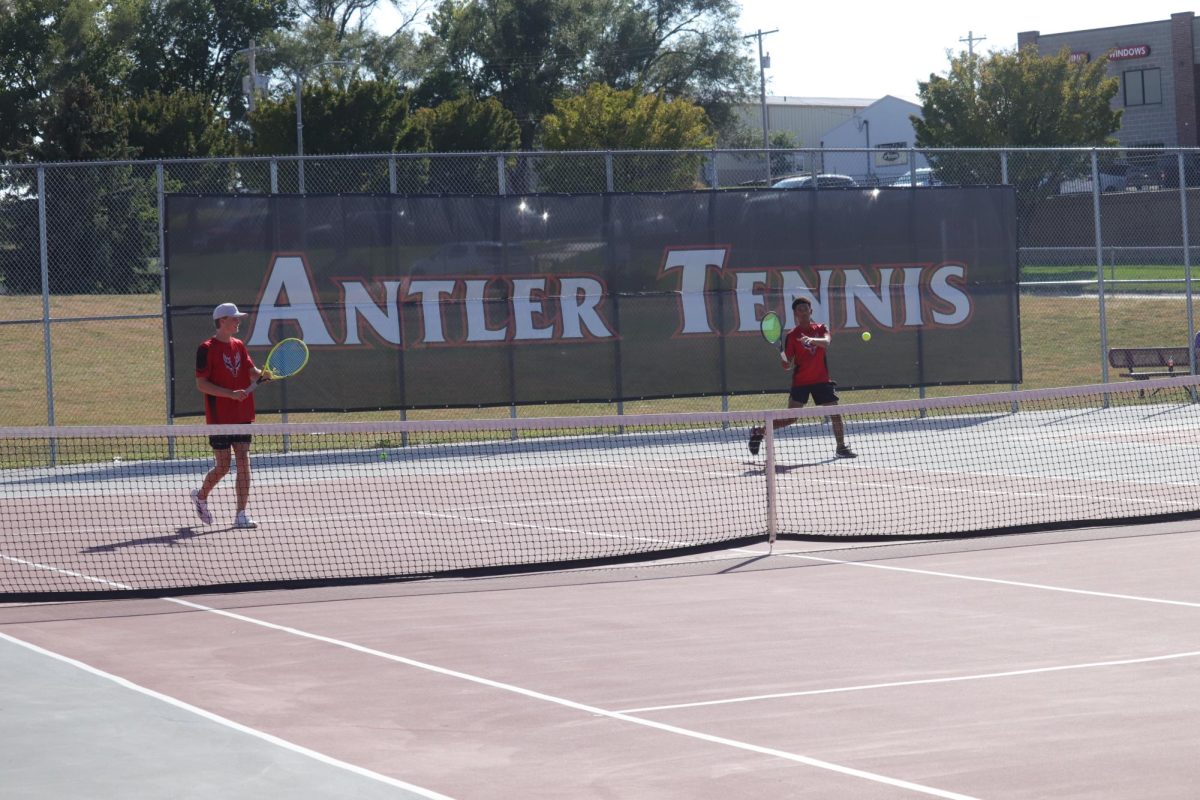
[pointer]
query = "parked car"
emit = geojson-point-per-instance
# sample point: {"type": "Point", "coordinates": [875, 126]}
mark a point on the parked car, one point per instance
{"type": "Point", "coordinates": [1113, 178]}
{"type": "Point", "coordinates": [1168, 170]}
{"type": "Point", "coordinates": [925, 177]}
{"type": "Point", "coordinates": [824, 181]}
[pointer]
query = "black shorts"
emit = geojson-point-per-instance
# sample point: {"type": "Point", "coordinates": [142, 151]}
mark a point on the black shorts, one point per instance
{"type": "Point", "coordinates": [822, 394]}
{"type": "Point", "coordinates": [225, 442]}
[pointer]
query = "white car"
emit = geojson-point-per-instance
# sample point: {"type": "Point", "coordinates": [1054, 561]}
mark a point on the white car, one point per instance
{"type": "Point", "coordinates": [824, 181]}
{"type": "Point", "coordinates": [1112, 179]}
{"type": "Point", "coordinates": [925, 177]}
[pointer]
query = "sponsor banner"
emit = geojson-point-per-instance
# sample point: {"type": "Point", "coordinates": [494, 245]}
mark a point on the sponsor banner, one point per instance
{"type": "Point", "coordinates": [428, 302]}
{"type": "Point", "coordinates": [891, 154]}
{"type": "Point", "coordinates": [1129, 51]}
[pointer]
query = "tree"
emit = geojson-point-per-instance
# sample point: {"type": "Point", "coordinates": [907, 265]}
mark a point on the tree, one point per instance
{"type": "Point", "coordinates": [527, 53]}
{"type": "Point", "coordinates": [604, 118]}
{"type": "Point", "coordinates": [194, 44]}
{"type": "Point", "coordinates": [467, 125]}
{"type": "Point", "coordinates": [24, 45]}
{"type": "Point", "coordinates": [365, 117]}
{"type": "Point", "coordinates": [1016, 99]}
{"type": "Point", "coordinates": [682, 48]}
{"type": "Point", "coordinates": [60, 57]}
{"type": "Point", "coordinates": [176, 125]}
{"type": "Point", "coordinates": [347, 16]}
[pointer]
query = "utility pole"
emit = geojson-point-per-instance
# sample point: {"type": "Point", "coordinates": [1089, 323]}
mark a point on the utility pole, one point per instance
{"type": "Point", "coordinates": [250, 84]}
{"type": "Point", "coordinates": [764, 62]}
{"type": "Point", "coordinates": [971, 40]}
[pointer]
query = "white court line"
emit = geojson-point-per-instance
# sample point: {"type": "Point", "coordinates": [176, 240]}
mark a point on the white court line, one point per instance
{"type": "Point", "coordinates": [918, 682]}
{"type": "Point", "coordinates": [70, 573]}
{"type": "Point", "coordinates": [999, 581]}
{"type": "Point", "coordinates": [596, 711]}
{"type": "Point", "coordinates": [933, 489]}
{"type": "Point", "coordinates": [237, 726]}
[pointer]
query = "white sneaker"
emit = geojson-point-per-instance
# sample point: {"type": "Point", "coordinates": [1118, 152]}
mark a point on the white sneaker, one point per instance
{"type": "Point", "coordinates": [201, 508]}
{"type": "Point", "coordinates": [244, 520]}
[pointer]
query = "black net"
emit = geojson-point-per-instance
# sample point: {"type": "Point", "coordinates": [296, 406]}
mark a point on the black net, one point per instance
{"type": "Point", "coordinates": [110, 510]}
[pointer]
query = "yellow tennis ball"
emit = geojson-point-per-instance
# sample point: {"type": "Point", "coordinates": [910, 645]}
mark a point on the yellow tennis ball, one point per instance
{"type": "Point", "coordinates": [866, 336]}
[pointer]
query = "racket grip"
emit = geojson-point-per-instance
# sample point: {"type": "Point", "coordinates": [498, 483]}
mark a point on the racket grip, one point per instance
{"type": "Point", "coordinates": [255, 384]}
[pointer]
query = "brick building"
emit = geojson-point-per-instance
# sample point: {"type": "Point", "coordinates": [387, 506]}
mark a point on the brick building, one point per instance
{"type": "Point", "coordinates": [1157, 64]}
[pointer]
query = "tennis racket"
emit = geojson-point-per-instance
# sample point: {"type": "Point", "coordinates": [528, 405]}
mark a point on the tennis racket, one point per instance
{"type": "Point", "coordinates": [772, 330]}
{"type": "Point", "coordinates": [285, 359]}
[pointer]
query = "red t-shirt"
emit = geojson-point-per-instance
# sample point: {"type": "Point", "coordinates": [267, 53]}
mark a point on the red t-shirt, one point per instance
{"type": "Point", "coordinates": [809, 359]}
{"type": "Point", "coordinates": [228, 365]}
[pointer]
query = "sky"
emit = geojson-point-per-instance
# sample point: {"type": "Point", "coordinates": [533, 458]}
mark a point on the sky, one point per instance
{"type": "Point", "coordinates": [833, 48]}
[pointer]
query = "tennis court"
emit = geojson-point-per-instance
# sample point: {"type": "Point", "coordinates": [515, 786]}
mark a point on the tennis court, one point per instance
{"type": "Point", "coordinates": [867, 653]}
{"type": "Point", "coordinates": [1031, 665]}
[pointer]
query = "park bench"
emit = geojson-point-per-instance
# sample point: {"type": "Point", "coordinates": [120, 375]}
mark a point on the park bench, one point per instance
{"type": "Point", "coordinates": [1144, 363]}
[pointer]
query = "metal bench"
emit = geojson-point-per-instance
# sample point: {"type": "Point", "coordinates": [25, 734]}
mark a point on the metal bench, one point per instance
{"type": "Point", "coordinates": [1144, 363]}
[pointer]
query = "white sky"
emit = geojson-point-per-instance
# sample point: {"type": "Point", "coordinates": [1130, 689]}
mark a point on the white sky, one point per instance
{"type": "Point", "coordinates": [833, 48]}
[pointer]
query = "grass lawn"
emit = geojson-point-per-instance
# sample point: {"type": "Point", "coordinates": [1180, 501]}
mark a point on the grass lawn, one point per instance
{"type": "Point", "coordinates": [111, 372]}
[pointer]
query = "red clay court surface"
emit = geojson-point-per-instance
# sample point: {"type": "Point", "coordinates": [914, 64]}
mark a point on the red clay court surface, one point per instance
{"type": "Point", "coordinates": [1059, 665]}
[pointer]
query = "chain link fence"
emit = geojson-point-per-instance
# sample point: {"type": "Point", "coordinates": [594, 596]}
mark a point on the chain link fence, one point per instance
{"type": "Point", "coordinates": [1104, 237]}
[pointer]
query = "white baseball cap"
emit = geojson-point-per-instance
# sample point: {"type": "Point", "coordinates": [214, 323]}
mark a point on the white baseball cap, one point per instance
{"type": "Point", "coordinates": [227, 310]}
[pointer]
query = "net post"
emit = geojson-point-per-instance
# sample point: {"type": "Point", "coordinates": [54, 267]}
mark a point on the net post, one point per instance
{"type": "Point", "coordinates": [772, 518]}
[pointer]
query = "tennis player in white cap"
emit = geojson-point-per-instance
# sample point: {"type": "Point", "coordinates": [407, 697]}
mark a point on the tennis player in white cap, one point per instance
{"type": "Point", "coordinates": [224, 372]}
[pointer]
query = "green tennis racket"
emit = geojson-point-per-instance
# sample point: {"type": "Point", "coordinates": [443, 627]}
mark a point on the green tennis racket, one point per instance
{"type": "Point", "coordinates": [286, 359]}
{"type": "Point", "coordinates": [772, 330]}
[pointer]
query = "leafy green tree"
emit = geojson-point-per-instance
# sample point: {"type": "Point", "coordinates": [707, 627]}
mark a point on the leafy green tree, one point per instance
{"type": "Point", "coordinates": [467, 125]}
{"type": "Point", "coordinates": [25, 42]}
{"type": "Point", "coordinates": [523, 52]}
{"type": "Point", "coordinates": [470, 125]}
{"type": "Point", "coordinates": [59, 57]}
{"type": "Point", "coordinates": [348, 16]}
{"type": "Point", "coordinates": [604, 118]}
{"type": "Point", "coordinates": [365, 117]}
{"type": "Point", "coordinates": [84, 124]}
{"type": "Point", "coordinates": [181, 124]}
{"type": "Point", "coordinates": [682, 48]}
{"type": "Point", "coordinates": [527, 53]}
{"type": "Point", "coordinates": [193, 45]}
{"type": "Point", "coordinates": [1016, 99]}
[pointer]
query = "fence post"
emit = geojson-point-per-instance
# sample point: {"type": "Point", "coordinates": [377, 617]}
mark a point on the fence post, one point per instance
{"type": "Point", "coordinates": [609, 182]}
{"type": "Point", "coordinates": [1100, 268]}
{"type": "Point", "coordinates": [501, 176]}
{"type": "Point", "coordinates": [162, 288]}
{"type": "Point", "coordinates": [392, 185]}
{"type": "Point", "coordinates": [1004, 180]}
{"type": "Point", "coordinates": [44, 256]}
{"type": "Point", "coordinates": [1187, 265]}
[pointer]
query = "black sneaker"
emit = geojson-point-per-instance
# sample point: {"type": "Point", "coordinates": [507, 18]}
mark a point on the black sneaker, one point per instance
{"type": "Point", "coordinates": [756, 437]}
{"type": "Point", "coordinates": [845, 452]}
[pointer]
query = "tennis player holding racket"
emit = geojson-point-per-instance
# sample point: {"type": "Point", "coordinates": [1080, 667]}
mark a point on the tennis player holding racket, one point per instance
{"type": "Point", "coordinates": [224, 374]}
{"type": "Point", "coordinates": [804, 353]}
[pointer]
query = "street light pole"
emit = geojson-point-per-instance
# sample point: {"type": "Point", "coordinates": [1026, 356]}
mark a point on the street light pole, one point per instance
{"type": "Point", "coordinates": [298, 77]}
{"type": "Point", "coordinates": [300, 130]}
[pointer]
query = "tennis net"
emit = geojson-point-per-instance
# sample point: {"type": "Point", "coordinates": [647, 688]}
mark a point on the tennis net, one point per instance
{"type": "Point", "coordinates": [108, 512]}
